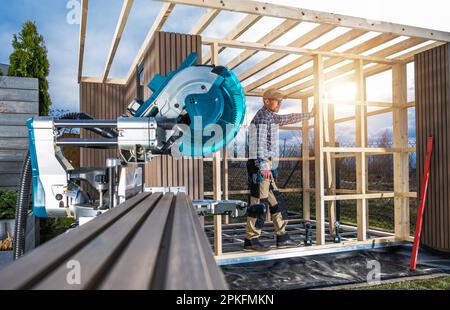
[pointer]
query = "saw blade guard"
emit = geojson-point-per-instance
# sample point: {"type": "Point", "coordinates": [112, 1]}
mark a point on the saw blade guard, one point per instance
{"type": "Point", "coordinates": [211, 98]}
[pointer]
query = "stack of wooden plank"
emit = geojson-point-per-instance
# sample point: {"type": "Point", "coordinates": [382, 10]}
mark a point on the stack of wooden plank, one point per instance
{"type": "Point", "coordinates": [152, 241]}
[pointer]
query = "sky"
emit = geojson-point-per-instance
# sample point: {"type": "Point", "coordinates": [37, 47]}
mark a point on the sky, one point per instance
{"type": "Point", "coordinates": [57, 22]}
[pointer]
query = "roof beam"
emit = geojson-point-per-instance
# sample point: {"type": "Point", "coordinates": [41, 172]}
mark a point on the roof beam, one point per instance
{"type": "Point", "coordinates": [391, 50]}
{"type": "Point", "coordinates": [367, 72]}
{"type": "Point", "coordinates": [159, 22]}
{"type": "Point", "coordinates": [289, 12]}
{"type": "Point", "coordinates": [293, 50]}
{"type": "Point", "coordinates": [92, 79]}
{"type": "Point", "coordinates": [204, 21]}
{"type": "Point", "coordinates": [409, 57]}
{"type": "Point", "coordinates": [329, 46]}
{"type": "Point", "coordinates": [126, 8]}
{"type": "Point", "coordinates": [268, 38]}
{"type": "Point", "coordinates": [360, 48]}
{"type": "Point", "coordinates": [83, 24]}
{"type": "Point", "coordinates": [245, 24]}
{"type": "Point", "coordinates": [303, 40]}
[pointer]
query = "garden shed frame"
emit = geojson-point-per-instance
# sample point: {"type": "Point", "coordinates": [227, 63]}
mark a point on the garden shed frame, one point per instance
{"type": "Point", "coordinates": [309, 83]}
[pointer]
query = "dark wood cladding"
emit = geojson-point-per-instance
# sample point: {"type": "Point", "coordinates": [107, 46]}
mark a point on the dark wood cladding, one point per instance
{"type": "Point", "coordinates": [101, 101]}
{"type": "Point", "coordinates": [165, 52]}
{"type": "Point", "coordinates": [432, 87]}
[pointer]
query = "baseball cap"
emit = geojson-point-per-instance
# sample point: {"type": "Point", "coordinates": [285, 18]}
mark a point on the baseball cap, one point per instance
{"type": "Point", "coordinates": [273, 93]}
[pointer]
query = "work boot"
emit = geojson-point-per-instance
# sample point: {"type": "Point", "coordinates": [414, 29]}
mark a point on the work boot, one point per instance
{"type": "Point", "coordinates": [285, 241]}
{"type": "Point", "coordinates": [255, 245]}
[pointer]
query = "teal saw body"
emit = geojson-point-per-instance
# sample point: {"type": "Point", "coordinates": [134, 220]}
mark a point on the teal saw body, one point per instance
{"type": "Point", "coordinates": [208, 99]}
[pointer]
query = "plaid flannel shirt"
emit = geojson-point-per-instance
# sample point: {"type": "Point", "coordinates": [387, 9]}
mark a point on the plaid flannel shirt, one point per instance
{"type": "Point", "coordinates": [265, 140]}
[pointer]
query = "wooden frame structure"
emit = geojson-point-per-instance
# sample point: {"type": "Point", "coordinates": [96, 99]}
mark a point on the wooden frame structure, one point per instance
{"type": "Point", "coordinates": [387, 46]}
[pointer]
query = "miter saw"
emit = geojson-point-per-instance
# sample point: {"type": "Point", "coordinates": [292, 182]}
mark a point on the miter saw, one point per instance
{"type": "Point", "coordinates": [185, 104]}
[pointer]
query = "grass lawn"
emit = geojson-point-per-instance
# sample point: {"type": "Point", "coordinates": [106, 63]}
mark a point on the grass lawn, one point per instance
{"type": "Point", "coordinates": [442, 283]}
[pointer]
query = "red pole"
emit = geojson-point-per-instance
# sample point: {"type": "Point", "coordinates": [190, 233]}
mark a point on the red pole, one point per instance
{"type": "Point", "coordinates": [423, 197]}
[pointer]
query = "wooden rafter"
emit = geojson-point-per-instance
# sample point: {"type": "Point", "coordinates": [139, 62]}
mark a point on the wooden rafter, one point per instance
{"type": "Point", "coordinates": [83, 24]}
{"type": "Point", "coordinates": [409, 56]}
{"type": "Point", "coordinates": [91, 79]}
{"type": "Point", "coordinates": [338, 20]}
{"type": "Point", "coordinates": [162, 17]}
{"type": "Point", "coordinates": [303, 40]}
{"type": "Point", "coordinates": [391, 50]}
{"type": "Point", "coordinates": [398, 47]}
{"type": "Point", "coordinates": [329, 46]}
{"type": "Point", "coordinates": [301, 75]}
{"type": "Point", "coordinates": [245, 24]}
{"type": "Point", "coordinates": [334, 61]}
{"type": "Point", "coordinates": [255, 11]}
{"type": "Point", "coordinates": [268, 38]}
{"type": "Point", "coordinates": [349, 67]}
{"type": "Point", "coordinates": [126, 8]}
{"type": "Point", "coordinates": [204, 21]}
{"type": "Point", "coordinates": [295, 50]}
{"type": "Point", "coordinates": [406, 58]}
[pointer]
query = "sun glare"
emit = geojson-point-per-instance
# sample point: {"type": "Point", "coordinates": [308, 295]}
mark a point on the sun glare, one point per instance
{"type": "Point", "coordinates": [342, 92]}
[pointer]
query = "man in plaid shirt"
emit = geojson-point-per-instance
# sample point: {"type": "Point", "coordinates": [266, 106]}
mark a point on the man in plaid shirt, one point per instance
{"type": "Point", "coordinates": [262, 169]}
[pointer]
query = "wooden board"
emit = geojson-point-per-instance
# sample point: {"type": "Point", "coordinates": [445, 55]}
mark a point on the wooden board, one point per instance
{"type": "Point", "coordinates": [18, 82]}
{"type": "Point", "coordinates": [300, 14]}
{"type": "Point", "coordinates": [28, 95]}
{"type": "Point", "coordinates": [148, 242]}
{"type": "Point", "coordinates": [22, 107]}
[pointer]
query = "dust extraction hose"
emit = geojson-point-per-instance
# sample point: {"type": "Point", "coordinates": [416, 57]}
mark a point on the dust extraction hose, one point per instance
{"type": "Point", "coordinates": [23, 201]}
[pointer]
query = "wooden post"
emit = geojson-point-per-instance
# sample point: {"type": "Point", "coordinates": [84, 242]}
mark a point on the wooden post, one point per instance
{"type": "Point", "coordinates": [329, 141]}
{"type": "Point", "coordinates": [401, 160]}
{"type": "Point", "coordinates": [366, 131]}
{"type": "Point", "coordinates": [217, 179]}
{"type": "Point", "coordinates": [360, 112]}
{"type": "Point", "coordinates": [319, 93]}
{"type": "Point", "coordinates": [202, 221]}
{"type": "Point", "coordinates": [217, 235]}
{"type": "Point", "coordinates": [305, 163]}
{"type": "Point", "coordinates": [226, 218]}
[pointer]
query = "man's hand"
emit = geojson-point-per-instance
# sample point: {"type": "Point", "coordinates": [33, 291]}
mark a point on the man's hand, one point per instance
{"type": "Point", "coordinates": [267, 174]}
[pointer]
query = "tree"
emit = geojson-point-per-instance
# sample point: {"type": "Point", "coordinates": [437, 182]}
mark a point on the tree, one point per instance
{"type": "Point", "coordinates": [382, 166]}
{"type": "Point", "coordinates": [385, 139]}
{"type": "Point", "coordinates": [29, 59]}
{"type": "Point", "coordinates": [1, 72]}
